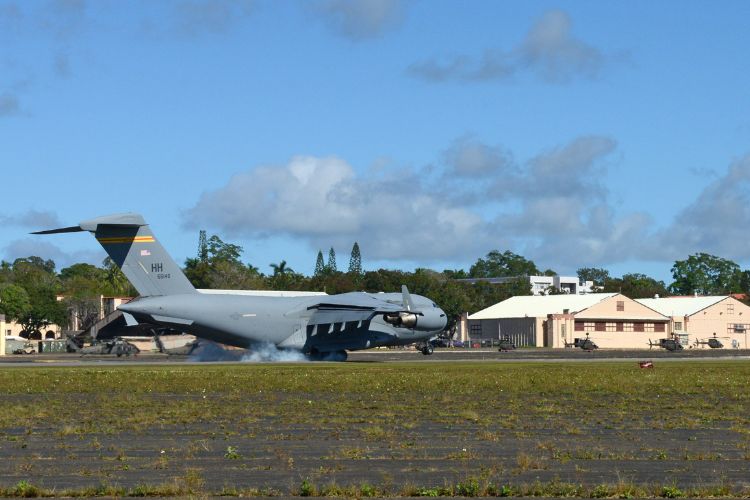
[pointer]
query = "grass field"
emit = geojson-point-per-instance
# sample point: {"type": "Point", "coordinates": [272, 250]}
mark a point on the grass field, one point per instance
{"type": "Point", "coordinates": [366, 429]}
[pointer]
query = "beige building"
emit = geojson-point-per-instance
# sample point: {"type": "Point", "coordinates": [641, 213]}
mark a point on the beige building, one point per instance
{"type": "Point", "coordinates": [610, 319]}
{"type": "Point", "coordinates": [105, 307]}
{"type": "Point", "coordinates": [696, 319]}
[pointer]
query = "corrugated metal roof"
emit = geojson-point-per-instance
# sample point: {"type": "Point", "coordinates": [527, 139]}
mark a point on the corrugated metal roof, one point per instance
{"type": "Point", "coordinates": [681, 306]}
{"type": "Point", "coordinates": [540, 305]}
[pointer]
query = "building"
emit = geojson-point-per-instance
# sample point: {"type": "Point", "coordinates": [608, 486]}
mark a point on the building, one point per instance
{"type": "Point", "coordinates": [696, 319]}
{"type": "Point", "coordinates": [610, 319]}
{"type": "Point", "coordinates": [80, 317]}
{"type": "Point", "coordinates": [541, 285]}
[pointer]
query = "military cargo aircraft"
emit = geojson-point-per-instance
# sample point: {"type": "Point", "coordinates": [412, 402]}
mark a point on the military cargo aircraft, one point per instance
{"type": "Point", "coordinates": [321, 326]}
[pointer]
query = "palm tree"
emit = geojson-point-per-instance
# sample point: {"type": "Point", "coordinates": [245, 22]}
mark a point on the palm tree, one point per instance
{"type": "Point", "coordinates": [281, 269]}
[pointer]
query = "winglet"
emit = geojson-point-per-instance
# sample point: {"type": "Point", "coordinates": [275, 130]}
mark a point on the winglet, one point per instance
{"type": "Point", "coordinates": [408, 303]}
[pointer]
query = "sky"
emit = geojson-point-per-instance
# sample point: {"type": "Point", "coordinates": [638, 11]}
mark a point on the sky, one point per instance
{"type": "Point", "coordinates": [577, 134]}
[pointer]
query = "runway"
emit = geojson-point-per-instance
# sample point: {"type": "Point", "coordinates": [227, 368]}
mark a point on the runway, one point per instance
{"type": "Point", "coordinates": [541, 355]}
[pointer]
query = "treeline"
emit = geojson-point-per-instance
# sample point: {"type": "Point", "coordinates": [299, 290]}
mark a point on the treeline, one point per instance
{"type": "Point", "coordinates": [30, 287]}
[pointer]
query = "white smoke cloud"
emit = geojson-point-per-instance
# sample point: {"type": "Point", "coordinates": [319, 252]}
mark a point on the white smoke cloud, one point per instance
{"type": "Point", "coordinates": [269, 353]}
{"type": "Point", "coordinates": [208, 351]}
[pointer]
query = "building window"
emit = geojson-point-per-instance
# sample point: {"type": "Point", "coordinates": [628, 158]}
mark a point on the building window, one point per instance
{"type": "Point", "coordinates": [600, 326]}
{"type": "Point", "coordinates": [678, 326]}
{"type": "Point", "coordinates": [738, 328]}
{"type": "Point", "coordinates": [730, 308]}
{"type": "Point", "coordinates": [610, 327]}
{"type": "Point", "coordinates": [638, 327]}
{"type": "Point", "coordinates": [620, 305]}
{"type": "Point", "coordinates": [659, 327]}
{"type": "Point", "coordinates": [8, 333]}
{"type": "Point", "coordinates": [619, 326]}
{"type": "Point", "coordinates": [475, 331]}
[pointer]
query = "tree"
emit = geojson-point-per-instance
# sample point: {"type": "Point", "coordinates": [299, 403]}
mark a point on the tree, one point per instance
{"type": "Point", "coordinates": [281, 268]}
{"type": "Point", "coordinates": [14, 302]}
{"type": "Point", "coordinates": [706, 274]}
{"type": "Point", "coordinates": [218, 250]}
{"type": "Point", "coordinates": [82, 287]}
{"type": "Point", "coordinates": [455, 274]}
{"type": "Point", "coordinates": [218, 265]}
{"type": "Point", "coordinates": [636, 286]}
{"type": "Point", "coordinates": [355, 261]}
{"type": "Point", "coordinates": [598, 275]}
{"type": "Point", "coordinates": [116, 281]}
{"type": "Point", "coordinates": [202, 246]}
{"type": "Point", "coordinates": [498, 264]}
{"type": "Point", "coordinates": [320, 265]}
{"type": "Point", "coordinates": [37, 276]}
{"type": "Point", "coordinates": [331, 267]}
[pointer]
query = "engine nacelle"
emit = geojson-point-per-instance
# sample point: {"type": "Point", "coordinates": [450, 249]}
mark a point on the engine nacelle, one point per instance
{"type": "Point", "coordinates": [401, 319]}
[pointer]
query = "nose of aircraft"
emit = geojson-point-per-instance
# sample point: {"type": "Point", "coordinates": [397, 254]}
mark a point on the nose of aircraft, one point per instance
{"type": "Point", "coordinates": [432, 320]}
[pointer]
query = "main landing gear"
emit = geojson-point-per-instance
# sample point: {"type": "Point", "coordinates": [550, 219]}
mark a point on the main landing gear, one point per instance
{"type": "Point", "coordinates": [316, 355]}
{"type": "Point", "coordinates": [426, 349]}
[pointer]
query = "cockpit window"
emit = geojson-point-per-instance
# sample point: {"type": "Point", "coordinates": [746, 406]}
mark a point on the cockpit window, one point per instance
{"type": "Point", "coordinates": [434, 305]}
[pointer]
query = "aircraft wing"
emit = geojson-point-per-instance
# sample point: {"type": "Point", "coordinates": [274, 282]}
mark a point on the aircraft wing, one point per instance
{"type": "Point", "coordinates": [350, 307]}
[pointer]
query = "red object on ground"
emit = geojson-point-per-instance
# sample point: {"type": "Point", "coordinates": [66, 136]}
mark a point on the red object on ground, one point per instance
{"type": "Point", "coordinates": [646, 364]}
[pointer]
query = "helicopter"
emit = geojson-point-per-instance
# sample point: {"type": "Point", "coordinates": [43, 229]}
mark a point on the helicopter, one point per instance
{"type": "Point", "coordinates": [506, 344]}
{"type": "Point", "coordinates": [586, 344]}
{"type": "Point", "coordinates": [117, 346]}
{"type": "Point", "coordinates": [713, 342]}
{"type": "Point", "coordinates": [671, 344]}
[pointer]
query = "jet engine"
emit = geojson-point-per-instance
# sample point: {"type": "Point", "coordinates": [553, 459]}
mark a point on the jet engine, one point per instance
{"type": "Point", "coordinates": [401, 319]}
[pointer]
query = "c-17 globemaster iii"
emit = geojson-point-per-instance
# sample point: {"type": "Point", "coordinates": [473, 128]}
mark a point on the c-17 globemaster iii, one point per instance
{"type": "Point", "coordinates": [321, 326]}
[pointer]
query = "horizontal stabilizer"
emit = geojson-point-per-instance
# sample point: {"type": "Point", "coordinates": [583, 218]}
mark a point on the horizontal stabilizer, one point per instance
{"type": "Point", "coordinates": [71, 229]}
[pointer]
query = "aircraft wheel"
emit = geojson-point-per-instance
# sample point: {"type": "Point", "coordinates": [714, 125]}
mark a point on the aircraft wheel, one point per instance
{"type": "Point", "coordinates": [427, 350]}
{"type": "Point", "coordinates": [315, 355]}
{"type": "Point", "coordinates": [339, 356]}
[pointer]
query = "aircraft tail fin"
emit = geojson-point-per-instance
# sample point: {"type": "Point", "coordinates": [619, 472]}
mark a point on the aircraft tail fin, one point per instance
{"type": "Point", "coordinates": [130, 243]}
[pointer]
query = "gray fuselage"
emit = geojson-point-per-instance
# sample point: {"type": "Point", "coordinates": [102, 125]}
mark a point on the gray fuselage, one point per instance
{"type": "Point", "coordinates": [288, 322]}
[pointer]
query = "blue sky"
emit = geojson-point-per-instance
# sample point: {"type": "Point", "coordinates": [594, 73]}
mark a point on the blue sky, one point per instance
{"type": "Point", "coordinates": [607, 134]}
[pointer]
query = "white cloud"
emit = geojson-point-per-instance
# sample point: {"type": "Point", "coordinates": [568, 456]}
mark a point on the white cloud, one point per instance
{"type": "Point", "coordinates": [553, 208]}
{"type": "Point", "coordinates": [37, 246]}
{"type": "Point", "coordinates": [549, 50]}
{"type": "Point", "coordinates": [360, 19]}
{"type": "Point", "coordinates": [35, 219]}
{"type": "Point", "coordinates": [325, 201]}
{"type": "Point", "coordinates": [199, 17]}
{"type": "Point", "coordinates": [468, 157]}
{"type": "Point", "coordinates": [716, 222]}
{"type": "Point", "coordinates": [9, 105]}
